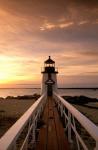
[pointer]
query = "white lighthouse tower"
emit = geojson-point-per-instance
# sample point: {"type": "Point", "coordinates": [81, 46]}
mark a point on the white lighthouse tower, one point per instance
{"type": "Point", "coordinates": [49, 78]}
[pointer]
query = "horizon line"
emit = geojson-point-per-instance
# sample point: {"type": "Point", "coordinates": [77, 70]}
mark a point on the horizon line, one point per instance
{"type": "Point", "coordinates": [58, 88]}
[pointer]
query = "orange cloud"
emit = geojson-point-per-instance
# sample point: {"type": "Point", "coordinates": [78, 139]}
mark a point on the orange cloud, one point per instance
{"type": "Point", "coordinates": [51, 26]}
{"type": "Point", "coordinates": [71, 35]}
{"type": "Point", "coordinates": [83, 22]}
{"type": "Point", "coordinates": [67, 24]}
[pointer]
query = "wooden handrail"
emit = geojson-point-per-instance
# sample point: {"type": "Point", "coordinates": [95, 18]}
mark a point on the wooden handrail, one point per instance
{"type": "Point", "coordinates": [88, 125]}
{"type": "Point", "coordinates": [13, 133]}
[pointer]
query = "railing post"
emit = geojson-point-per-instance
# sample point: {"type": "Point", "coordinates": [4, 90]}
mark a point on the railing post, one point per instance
{"type": "Point", "coordinates": [88, 125]}
{"type": "Point", "coordinates": [34, 133]}
{"type": "Point", "coordinates": [69, 127]}
{"type": "Point", "coordinates": [65, 120]}
{"type": "Point", "coordinates": [61, 108]}
{"type": "Point", "coordinates": [58, 106]}
{"type": "Point", "coordinates": [14, 146]}
{"type": "Point", "coordinates": [96, 148]}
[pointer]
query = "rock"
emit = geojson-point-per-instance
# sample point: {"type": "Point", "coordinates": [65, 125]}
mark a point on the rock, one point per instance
{"type": "Point", "coordinates": [79, 99]}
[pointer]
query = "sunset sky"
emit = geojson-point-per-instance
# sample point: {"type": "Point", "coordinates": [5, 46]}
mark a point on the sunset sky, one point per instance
{"type": "Point", "coordinates": [31, 30]}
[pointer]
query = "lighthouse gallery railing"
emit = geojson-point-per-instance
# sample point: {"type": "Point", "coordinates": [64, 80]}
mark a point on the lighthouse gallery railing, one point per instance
{"type": "Point", "coordinates": [29, 119]}
{"type": "Point", "coordinates": [71, 114]}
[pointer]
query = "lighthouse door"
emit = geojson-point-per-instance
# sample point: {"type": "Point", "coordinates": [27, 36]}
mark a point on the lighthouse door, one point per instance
{"type": "Point", "coordinates": [49, 90]}
{"type": "Point", "coordinates": [49, 84]}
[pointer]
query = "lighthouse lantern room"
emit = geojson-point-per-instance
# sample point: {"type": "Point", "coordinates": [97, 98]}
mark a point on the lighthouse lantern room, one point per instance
{"type": "Point", "coordinates": [49, 78]}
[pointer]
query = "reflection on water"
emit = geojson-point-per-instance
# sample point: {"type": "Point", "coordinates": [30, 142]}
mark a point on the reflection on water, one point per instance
{"type": "Point", "coordinates": [18, 92]}
{"type": "Point", "coordinates": [77, 92]}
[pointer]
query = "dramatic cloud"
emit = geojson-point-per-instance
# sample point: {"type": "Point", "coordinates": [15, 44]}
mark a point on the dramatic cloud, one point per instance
{"type": "Point", "coordinates": [65, 29]}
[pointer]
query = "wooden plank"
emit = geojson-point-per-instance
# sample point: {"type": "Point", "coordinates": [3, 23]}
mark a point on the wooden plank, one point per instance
{"type": "Point", "coordinates": [42, 137]}
{"type": "Point", "coordinates": [51, 136]}
{"type": "Point", "coordinates": [62, 140]}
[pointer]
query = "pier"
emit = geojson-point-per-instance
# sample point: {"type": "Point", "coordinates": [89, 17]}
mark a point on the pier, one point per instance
{"type": "Point", "coordinates": [51, 135]}
{"type": "Point", "coordinates": [51, 123]}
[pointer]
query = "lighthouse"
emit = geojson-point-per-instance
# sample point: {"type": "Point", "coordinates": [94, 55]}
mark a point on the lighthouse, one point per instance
{"type": "Point", "coordinates": [49, 77]}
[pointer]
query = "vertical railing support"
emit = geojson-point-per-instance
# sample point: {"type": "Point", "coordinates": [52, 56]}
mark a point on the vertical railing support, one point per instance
{"type": "Point", "coordinates": [72, 115]}
{"type": "Point", "coordinates": [61, 109]}
{"type": "Point", "coordinates": [14, 146]}
{"type": "Point", "coordinates": [78, 146]}
{"type": "Point", "coordinates": [69, 127]}
{"type": "Point", "coordinates": [28, 119]}
{"type": "Point", "coordinates": [96, 148]}
{"type": "Point", "coordinates": [34, 132]}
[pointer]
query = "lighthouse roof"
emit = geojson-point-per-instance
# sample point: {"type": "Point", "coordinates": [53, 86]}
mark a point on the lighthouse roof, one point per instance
{"type": "Point", "coordinates": [49, 61]}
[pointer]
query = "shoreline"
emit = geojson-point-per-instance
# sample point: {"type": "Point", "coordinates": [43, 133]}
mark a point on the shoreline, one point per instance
{"type": "Point", "coordinates": [11, 111]}
{"type": "Point", "coordinates": [19, 97]}
{"type": "Point", "coordinates": [12, 108]}
{"type": "Point", "coordinates": [58, 88]}
{"type": "Point", "coordinates": [86, 105]}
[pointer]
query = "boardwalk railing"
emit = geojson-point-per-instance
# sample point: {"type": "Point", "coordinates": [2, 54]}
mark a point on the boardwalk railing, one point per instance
{"type": "Point", "coordinates": [71, 116]}
{"type": "Point", "coordinates": [27, 122]}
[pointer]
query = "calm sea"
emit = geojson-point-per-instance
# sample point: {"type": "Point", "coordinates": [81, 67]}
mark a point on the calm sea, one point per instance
{"type": "Point", "coordinates": [68, 92]}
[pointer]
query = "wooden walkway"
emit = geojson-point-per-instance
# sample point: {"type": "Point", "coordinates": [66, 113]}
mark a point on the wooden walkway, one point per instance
{"type": "Point", "coordinates": [51, 134]}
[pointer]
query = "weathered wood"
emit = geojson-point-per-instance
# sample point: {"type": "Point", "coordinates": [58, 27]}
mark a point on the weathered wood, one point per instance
{"type": "Point", "coordinates": [62, 140]}
{"type": "Point", "coordinates": [51, 135]}
{"type": "Point", "coordinates": [42, 137]}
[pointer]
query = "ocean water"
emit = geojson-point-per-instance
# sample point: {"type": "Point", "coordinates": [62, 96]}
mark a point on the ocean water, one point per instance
{"type": "Point", "coordinates": [68, 92]}
{"type": "Point", "coordinates": [77, 92]}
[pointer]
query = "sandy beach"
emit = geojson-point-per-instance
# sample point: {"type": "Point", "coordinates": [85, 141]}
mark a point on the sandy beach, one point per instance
{"type": "Point", "coordinates": [10, 111]}
{"type": "Point", "coordinates": [90, 110]}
